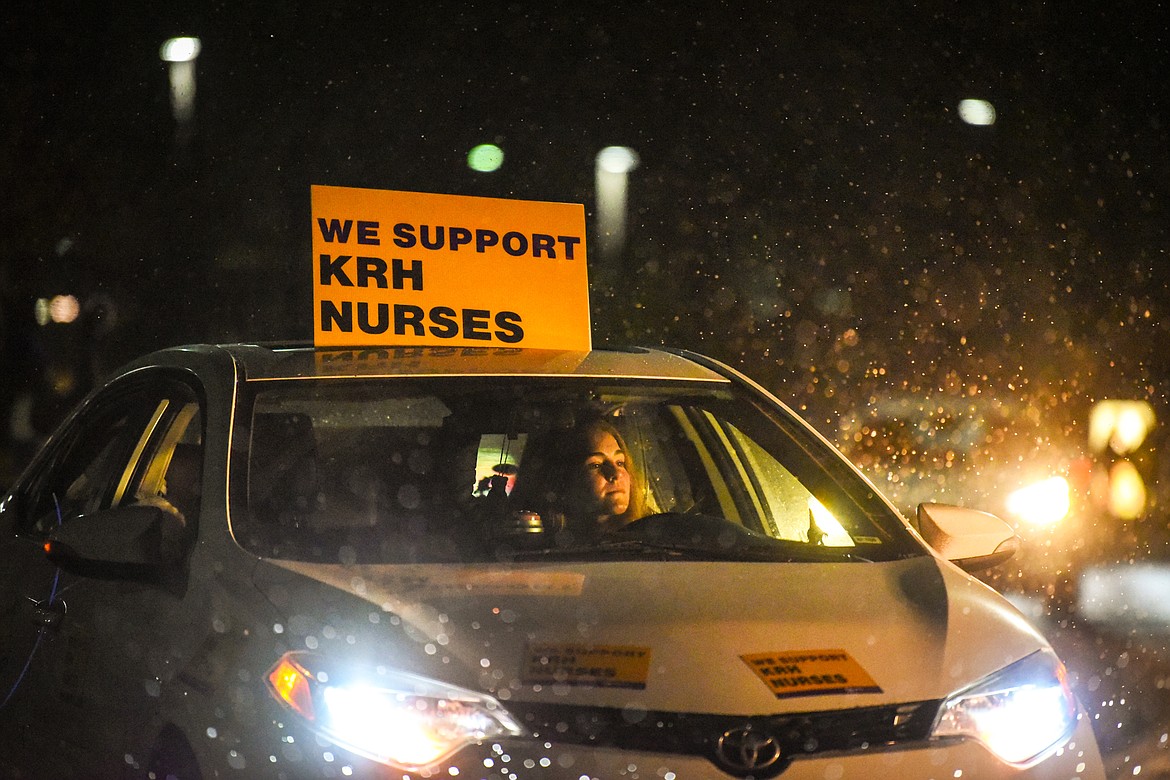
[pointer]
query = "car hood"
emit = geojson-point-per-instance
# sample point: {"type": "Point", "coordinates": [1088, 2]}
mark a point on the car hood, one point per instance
{"type": "Point", "coordinates": [712, 637]}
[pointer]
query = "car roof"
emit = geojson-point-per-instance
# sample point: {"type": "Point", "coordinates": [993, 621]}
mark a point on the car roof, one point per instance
{"type": "Point", "coordinates": [278, 362]}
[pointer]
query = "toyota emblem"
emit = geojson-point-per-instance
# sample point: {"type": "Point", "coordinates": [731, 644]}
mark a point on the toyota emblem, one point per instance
{"type": "Point", "coordinates": [747, 751]}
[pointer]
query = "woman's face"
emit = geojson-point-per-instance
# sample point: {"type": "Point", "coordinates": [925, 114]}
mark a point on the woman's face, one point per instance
{"type": "Point", "coordinates": [605, 480]}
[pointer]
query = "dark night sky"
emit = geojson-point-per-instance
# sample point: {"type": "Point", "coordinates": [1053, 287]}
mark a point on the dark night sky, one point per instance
{"type": "Point", "coordinates": [804, 176]}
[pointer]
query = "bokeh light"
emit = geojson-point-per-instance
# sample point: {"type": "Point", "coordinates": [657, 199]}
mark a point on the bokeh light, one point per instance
{"type": "Point", "coordinates": [485, 158]}
{"type": "Point", "coordinates": [61, 309]}
{"type": "Point", "coordinates": [976, 112]}
{"type": "Point", "coordinates": [182, 49]}
{"type": "Point", "coordinates": [1043, 503]}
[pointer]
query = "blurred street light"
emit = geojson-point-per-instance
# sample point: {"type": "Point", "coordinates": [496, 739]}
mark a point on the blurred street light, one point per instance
{"type": "Point", "coordinates": [1117, 429]}
{"type": "Point", "coordinates": [61, 309]}
{"type": "Point", "coordinates": [1119, 425]}
{"type": "Point", "coordinates": [976, 112]}
{"type": "Point", "coordinates": [1127, 491]}
{"type": "Point", "coordinates": [180, 55]}
{"type": "Point", "coordinates": [485, 158]}
{"type": "Point", "coordinates": [613, 165]}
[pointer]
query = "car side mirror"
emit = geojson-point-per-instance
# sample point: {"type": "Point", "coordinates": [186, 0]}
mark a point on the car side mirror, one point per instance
{"type": "Point", "coordinates": [133, 542]}
{"type": "Point", "coordinates": [969, 538]}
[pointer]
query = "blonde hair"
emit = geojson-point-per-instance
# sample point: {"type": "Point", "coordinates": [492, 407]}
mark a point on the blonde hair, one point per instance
{"type": "Point", "coordinates": [550, 469]}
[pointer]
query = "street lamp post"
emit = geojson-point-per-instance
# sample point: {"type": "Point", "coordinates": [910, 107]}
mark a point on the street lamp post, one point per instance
{"type": "Point", "coordinates": [180, 54]}
{"type": "Point", "coordinates": [613, 165]}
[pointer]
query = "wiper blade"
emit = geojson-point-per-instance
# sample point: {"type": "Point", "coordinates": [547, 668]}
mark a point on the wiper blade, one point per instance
{"type": "Point", "coordinates": [729, 541]}
{"type": "Point", "coordinates": [738, 545]}
{"type": "Point", "coordinates": [610, 549]}
{"type": "Point", "coordinates": [801, 552]}
{"type": "Point", "coordinates": [767, 551]}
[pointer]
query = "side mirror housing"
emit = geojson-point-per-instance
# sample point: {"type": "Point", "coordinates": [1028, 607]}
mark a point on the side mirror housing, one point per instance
{"type": "Point", "coordinates": [133, 542]}
{"type": "Point", "coordinates": [969, 538]}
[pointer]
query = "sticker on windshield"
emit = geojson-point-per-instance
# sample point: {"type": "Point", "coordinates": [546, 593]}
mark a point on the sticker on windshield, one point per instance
{"type": "Point", "coordinates": [601, 666]}
{"type": "Point", "coordinates": [811, 673]}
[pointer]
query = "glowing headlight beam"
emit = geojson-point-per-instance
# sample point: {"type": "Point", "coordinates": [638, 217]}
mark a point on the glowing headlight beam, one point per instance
{"type": "Point", "coordinates": [1021, 713]}
{"type": "Point", "coordinates": [396, 728]}
{"type": "Point", "coordinates": [396, 718]}
{"type": "Point", "coordinates": [1044, 503]}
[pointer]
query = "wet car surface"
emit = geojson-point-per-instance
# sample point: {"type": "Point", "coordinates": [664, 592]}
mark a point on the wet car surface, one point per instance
{"type": "Point", "coordinates": [297, 562]}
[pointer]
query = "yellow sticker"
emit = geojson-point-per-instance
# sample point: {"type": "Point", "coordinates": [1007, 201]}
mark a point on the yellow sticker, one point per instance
{"type": "Point", "coordinates": [411, 268]}
{"type": "Point", "coordinates": [810, 672]}
{"type": "Point", "coordinates": [602, 666]}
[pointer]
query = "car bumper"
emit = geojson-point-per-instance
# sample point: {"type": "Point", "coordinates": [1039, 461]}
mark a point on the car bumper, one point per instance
{"type": "Point", "coordinates": [522, 759]}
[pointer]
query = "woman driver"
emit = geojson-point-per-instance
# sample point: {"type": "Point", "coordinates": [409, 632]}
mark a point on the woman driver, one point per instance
{"type": "Point", "coordinates": [587, 477]}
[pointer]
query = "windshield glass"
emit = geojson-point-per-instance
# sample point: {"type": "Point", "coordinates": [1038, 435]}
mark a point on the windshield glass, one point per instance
{"type": "Point", "coordinates": [480, 470]}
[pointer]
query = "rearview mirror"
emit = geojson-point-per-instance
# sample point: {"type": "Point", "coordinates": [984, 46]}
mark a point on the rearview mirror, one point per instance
{"type": "Point", "coordinates": [970, 539]}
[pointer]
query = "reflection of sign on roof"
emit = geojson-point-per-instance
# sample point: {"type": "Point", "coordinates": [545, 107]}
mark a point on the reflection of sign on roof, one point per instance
{"type": "Point", "coordinates": [811, 672]}
{"type": "Point", "coordinates": [437, 361]}
{"type": "Point", "coordinates": [409, 268]}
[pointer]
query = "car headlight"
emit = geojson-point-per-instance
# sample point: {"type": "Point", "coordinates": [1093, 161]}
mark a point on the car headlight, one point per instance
{"type": "Point", "coordinates": [395, 718]}
{"type": "Point", "coordinates": [1021, 712]}
{"type": "Point", "coordinates": [1041, 504]}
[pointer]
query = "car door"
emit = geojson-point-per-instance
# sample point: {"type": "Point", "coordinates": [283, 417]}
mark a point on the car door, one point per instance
{"type": "Point", "coordinates": [63, 696]}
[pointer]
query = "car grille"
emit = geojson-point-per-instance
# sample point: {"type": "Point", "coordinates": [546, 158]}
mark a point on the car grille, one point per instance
{"type": "Point", "coordinates": [775, 739]}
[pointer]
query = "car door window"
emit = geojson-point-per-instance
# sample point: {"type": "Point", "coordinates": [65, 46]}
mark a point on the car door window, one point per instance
{"type": "Point", "coordinates": [121, 451]}
{"type": "Point", "coordinates": [168, 474]}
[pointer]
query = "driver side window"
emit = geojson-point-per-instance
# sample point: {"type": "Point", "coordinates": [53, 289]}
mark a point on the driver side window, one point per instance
{"type": "Point", "coordinates": [115, 453]}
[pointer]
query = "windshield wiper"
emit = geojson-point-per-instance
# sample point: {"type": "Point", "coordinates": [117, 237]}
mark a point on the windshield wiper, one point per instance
{"type": "Point", "coordinates": [748, 548]}
{"type": "Point", "coordinates": [618, 549]}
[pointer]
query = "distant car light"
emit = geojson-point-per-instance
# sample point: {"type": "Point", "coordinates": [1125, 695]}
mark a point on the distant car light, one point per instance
{"type": "Point", "coordinates": [395, 718]}
{"type": "Point", "coordinates": [1021, 713]}
{"type": "Point", "coordinates": [1044, 503]}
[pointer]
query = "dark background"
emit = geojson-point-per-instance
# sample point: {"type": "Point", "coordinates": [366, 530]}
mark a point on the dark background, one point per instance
{"type": "Point", "coordinates": [808, 206]}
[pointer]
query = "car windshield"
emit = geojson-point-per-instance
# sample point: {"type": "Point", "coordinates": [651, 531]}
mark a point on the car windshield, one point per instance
{"type": "Point", "coordinates": [426, 470]}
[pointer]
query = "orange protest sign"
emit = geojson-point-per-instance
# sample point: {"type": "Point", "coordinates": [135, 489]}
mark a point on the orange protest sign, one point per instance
{"type": "Point", "coordinates": [410, 268]}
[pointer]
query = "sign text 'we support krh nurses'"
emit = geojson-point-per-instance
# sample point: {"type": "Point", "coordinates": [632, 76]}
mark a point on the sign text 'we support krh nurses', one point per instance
{"type": "Point", "coordinates": [410, 268]}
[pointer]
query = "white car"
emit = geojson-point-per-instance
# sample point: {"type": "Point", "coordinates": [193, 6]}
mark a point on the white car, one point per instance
{"type": "Point", "coordinates": [243, 561]}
